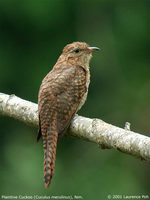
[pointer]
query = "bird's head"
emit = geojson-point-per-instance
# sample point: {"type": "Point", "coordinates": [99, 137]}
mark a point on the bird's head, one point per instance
{"type": "Point", "coordinates": [78, 53]}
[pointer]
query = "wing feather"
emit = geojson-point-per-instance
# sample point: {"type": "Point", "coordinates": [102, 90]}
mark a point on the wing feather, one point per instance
{"type": "Point", "coordinates": [59, 97]}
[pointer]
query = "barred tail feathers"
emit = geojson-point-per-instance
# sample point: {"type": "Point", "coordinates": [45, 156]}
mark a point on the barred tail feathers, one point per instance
{"type": "Point", "coordinates": [50, 145]}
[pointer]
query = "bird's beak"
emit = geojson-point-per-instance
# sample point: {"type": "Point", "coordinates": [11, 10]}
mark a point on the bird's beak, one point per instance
{"type": "Point", "coordinates": [91, 49]}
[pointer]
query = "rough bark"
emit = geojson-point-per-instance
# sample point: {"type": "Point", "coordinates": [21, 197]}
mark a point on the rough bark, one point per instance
{"type": "Point", "coordinates": [93, 130]}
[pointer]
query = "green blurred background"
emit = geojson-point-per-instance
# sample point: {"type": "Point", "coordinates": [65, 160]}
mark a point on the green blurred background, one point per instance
{"type": "Point", "coordinates": [32, 35]}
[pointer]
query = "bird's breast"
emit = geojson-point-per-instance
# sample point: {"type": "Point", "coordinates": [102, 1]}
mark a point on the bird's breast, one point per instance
{"type": "Point", "coordinates": [86, 93]}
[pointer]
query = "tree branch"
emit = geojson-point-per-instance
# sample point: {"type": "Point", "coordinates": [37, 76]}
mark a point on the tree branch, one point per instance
{"type": "Point", "coordinates": [93, 130]}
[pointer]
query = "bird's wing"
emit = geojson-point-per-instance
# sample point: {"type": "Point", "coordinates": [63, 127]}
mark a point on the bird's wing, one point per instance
{"type": "Point", "coordinates": [59, 97]}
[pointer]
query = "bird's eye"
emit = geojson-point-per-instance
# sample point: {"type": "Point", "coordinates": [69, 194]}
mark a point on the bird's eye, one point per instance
{"type": "Point", "coordinates": [77, 50]}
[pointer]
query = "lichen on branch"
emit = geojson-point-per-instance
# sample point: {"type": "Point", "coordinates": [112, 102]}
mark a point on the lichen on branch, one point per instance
{"type": "Point", "coordinates": [93, 130]}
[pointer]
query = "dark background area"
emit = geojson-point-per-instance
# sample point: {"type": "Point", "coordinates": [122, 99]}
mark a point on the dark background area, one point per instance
{"type": "Point", "coordinates": [32, 36]}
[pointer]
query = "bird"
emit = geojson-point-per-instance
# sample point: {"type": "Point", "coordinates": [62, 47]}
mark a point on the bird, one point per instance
{"type": "Point", "coordinates": [62, 93]}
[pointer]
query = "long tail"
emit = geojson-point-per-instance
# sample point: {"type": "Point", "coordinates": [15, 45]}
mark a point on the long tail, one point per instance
{"type": "Point", "coordinates": [50, 145]}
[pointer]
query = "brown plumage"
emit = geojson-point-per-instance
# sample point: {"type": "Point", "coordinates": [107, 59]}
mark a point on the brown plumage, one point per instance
{"type": "Point", "coordinates": [62, 93]}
